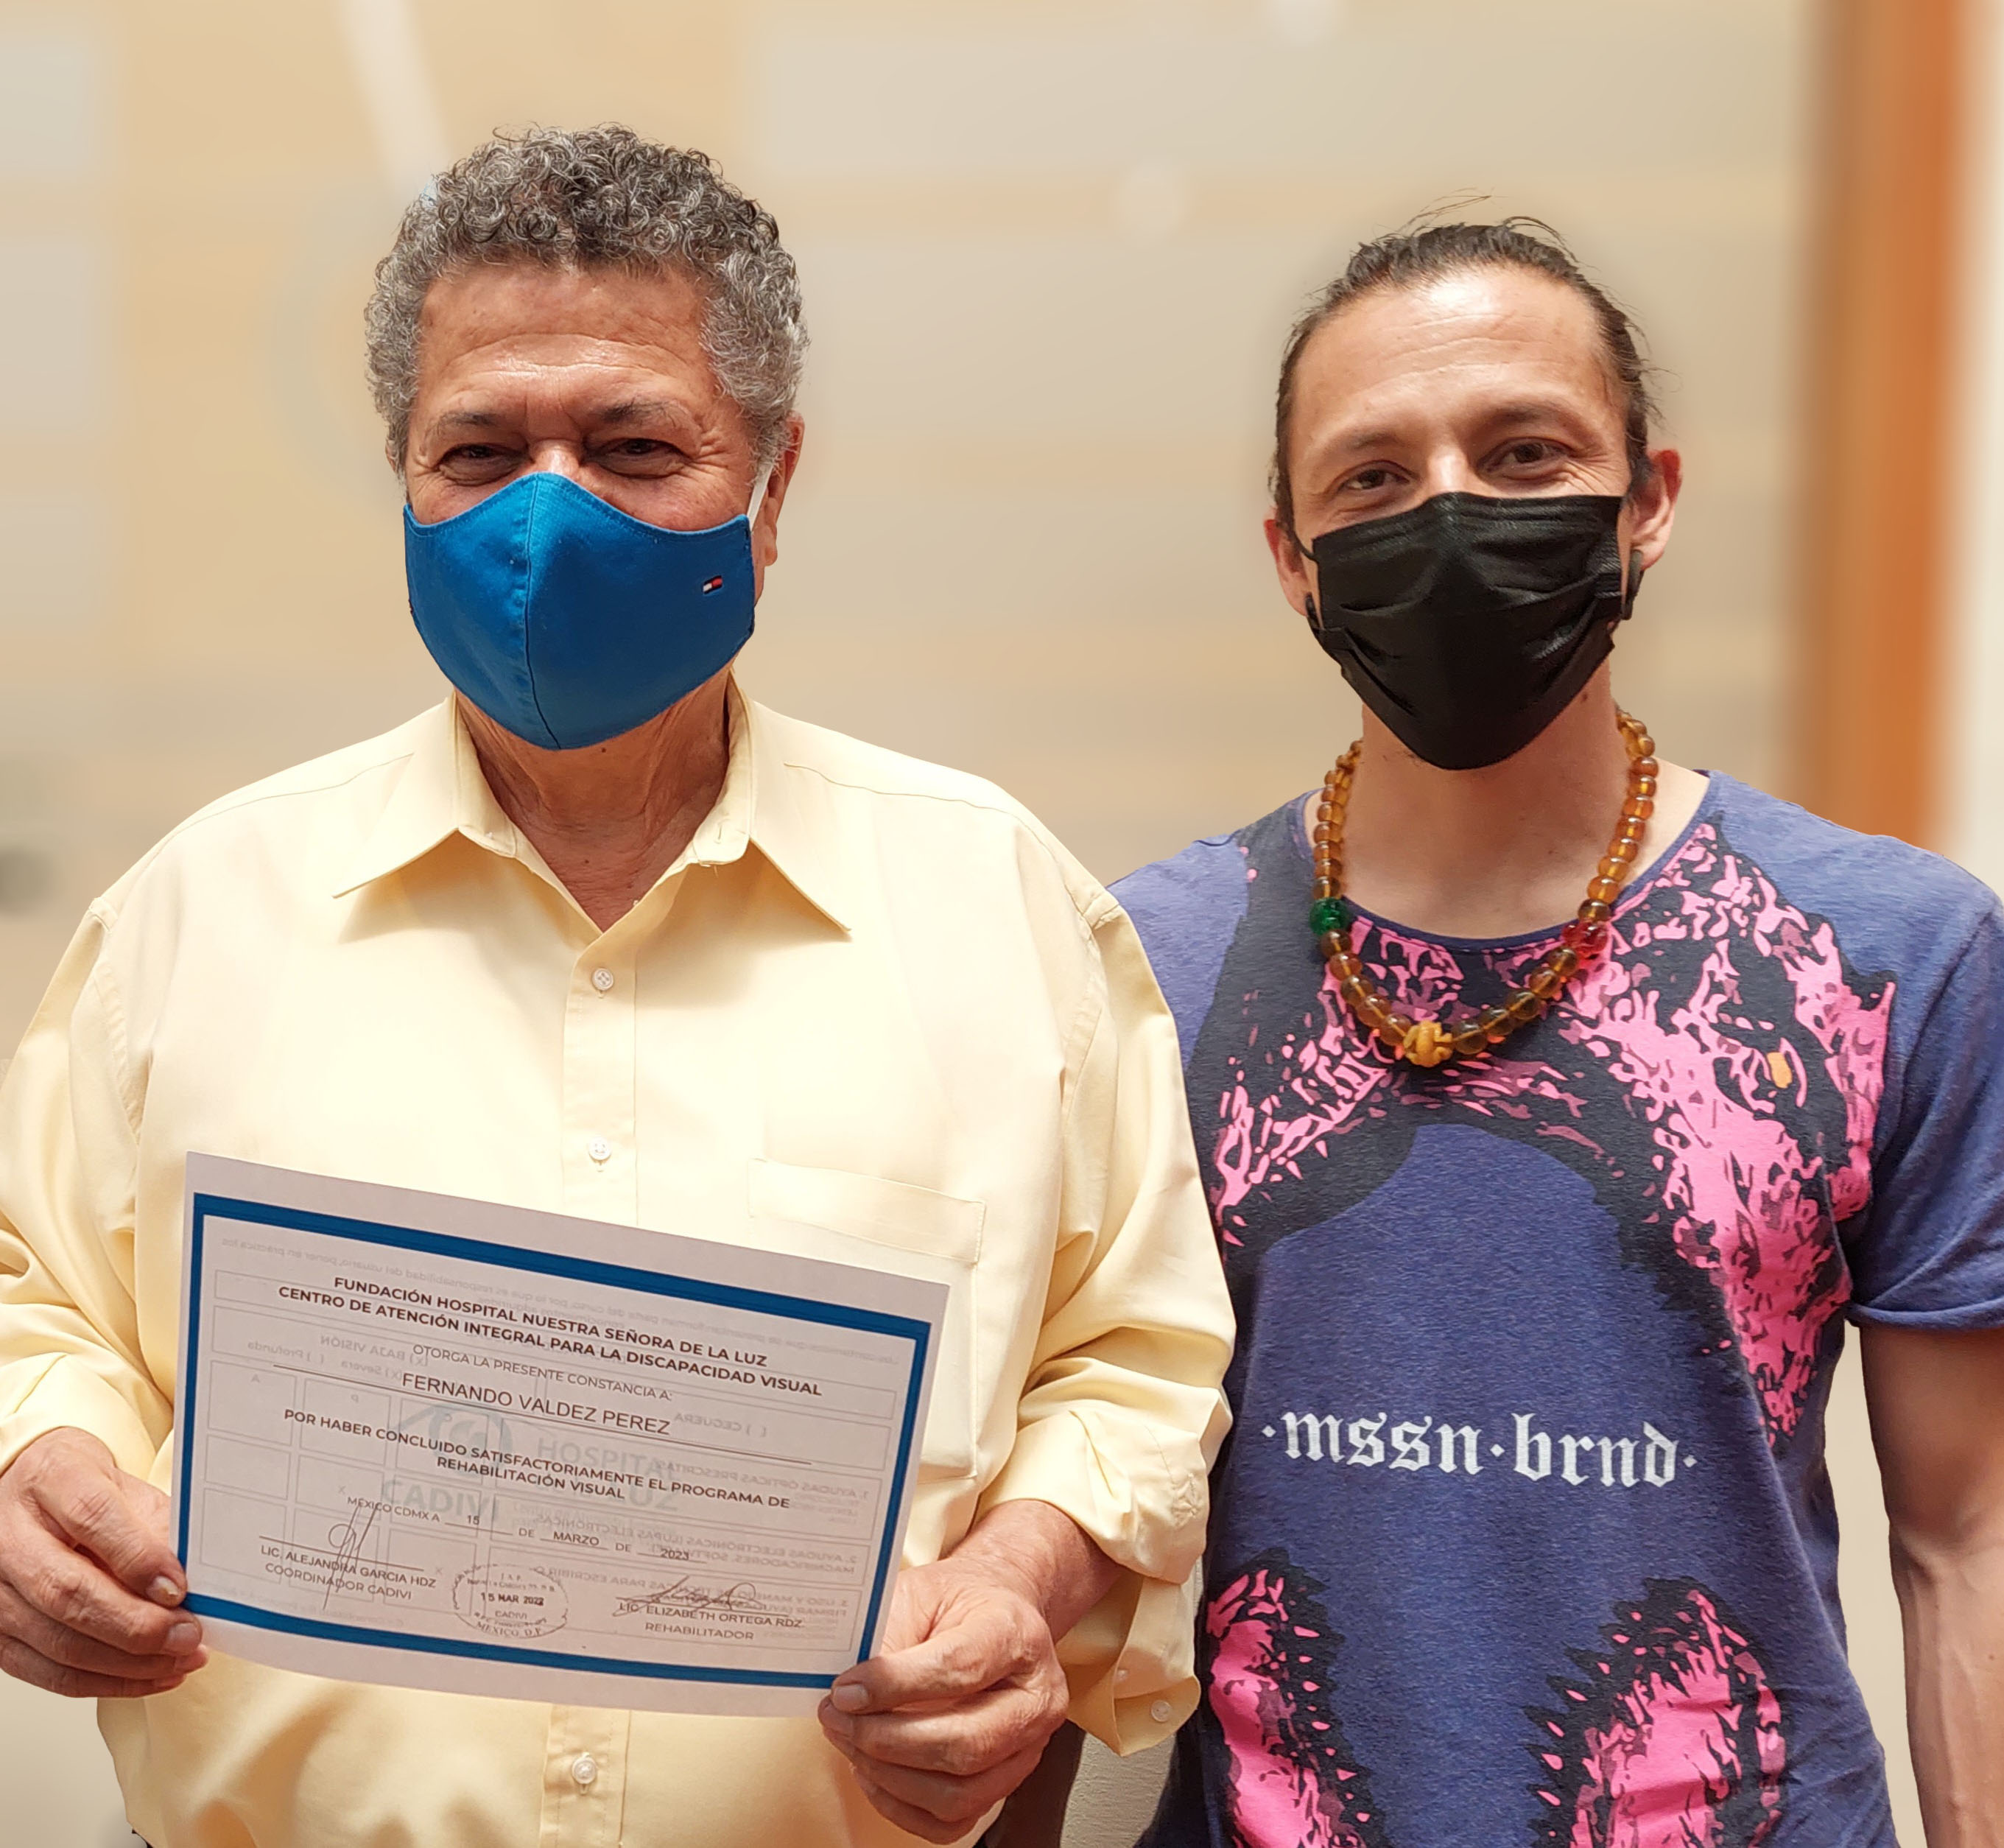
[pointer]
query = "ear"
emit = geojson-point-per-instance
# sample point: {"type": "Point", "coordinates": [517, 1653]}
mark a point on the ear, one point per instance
{"type": "Point", "coordinates": [1652, 511]}
{"type": "Point", "coordinates": [1295, 572]}
{"type": "Point", "coordinates": [779, 478]}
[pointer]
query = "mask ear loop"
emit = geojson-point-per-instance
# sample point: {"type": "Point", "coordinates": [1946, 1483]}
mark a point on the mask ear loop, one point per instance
{"type": "Point", "coordinates": [1636, 568]}
{"type": "Point", "coordinates": [1308, 600]}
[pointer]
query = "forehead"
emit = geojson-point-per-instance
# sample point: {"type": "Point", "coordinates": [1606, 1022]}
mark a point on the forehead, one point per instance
{"type": "Point", "coordinates": [504, 314]}
{"type": "Point", "coordinates": [1460, 340]}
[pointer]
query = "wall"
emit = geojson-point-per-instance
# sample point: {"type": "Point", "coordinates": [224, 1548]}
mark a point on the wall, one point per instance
{"type": "Point", "coordinates": [1972, 741]}
{"type": "Point", "coordinates": [1050, 252]}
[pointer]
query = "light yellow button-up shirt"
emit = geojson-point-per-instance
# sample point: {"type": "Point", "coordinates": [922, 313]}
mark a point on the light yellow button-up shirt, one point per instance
{"type": "Point", "coordinates": [872, 1001]}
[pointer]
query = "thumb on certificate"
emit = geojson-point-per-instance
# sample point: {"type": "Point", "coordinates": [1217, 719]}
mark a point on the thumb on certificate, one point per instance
{"type": "Point", "coordinates": [946, 1666]}
{"type": "Point", "coordinates": [122, 1522]}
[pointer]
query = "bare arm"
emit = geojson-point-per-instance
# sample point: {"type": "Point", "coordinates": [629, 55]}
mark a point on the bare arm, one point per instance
{"type": "Point", "coordinates": [955, 1713]}
{"type": "Point", "coordinates": [1937, 1404]}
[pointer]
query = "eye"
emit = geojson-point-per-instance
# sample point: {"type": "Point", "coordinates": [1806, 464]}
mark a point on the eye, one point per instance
{"type": "Point", "coordinates": [475, 463]}
{"type": "Point", "coordinates": [639, 456]}
{"type": "Point", "coordinates": [1528, 452]}
{"type": "Point", "coordinates": [1371, 481]}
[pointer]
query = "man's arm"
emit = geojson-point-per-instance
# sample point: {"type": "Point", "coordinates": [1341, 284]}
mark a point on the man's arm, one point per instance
{"type": "Point", "coordinates": [89, 1587]}
{"type": "Point", "coordinates": [1937, 1404]}
{"type": "Point", "coordinates": [955, 1713]}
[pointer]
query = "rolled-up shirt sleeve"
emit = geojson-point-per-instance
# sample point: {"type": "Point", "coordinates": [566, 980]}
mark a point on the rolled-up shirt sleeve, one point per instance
{"type": "Point", "coordinates": [69, 1346]}
{"type": "Point", "coordinates": [1123, 1410]}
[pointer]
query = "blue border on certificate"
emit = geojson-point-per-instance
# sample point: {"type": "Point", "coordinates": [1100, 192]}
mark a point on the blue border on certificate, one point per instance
{"type": "Point", "coordinates": [549, 1264]}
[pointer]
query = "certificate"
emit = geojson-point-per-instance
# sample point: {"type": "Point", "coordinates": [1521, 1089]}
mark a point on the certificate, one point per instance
{"type": "Point", "coordinates": [448, 1444]}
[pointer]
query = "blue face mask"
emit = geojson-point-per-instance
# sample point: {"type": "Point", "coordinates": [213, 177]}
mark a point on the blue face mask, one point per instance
{"type": "Point", "coordinates": [568, 621]}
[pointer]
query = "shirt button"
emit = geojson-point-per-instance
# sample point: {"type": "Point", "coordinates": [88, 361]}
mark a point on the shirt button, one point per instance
{"type": "Point", "coordinates": [584, 1771]}
{"type": "Point", "coordinates": [601, 979]}
{"type": "Point", "coordinates": [599, 1150]}
{"type": "Point", "coordinates": [1160, 1712]}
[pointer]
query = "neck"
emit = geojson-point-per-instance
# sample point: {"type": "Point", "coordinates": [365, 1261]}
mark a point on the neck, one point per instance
{"type": "Point", "coordinates": [611, 818]}
{"type": "Point", "coordinates": [1506, 849]}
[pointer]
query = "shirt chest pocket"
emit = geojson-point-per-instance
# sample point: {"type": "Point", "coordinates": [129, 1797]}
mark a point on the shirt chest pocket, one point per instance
{"type": "Point", "coordinates": [883, 1225]}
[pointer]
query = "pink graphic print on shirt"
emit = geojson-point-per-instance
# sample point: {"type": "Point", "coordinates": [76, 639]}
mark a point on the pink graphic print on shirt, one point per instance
{"type": "Point", "coordinates": [1737, 1093]}
{"type": "Point", "coordinates": [1672, 1738]}
{"type": "Point", "coordinates": [1293, 1782]}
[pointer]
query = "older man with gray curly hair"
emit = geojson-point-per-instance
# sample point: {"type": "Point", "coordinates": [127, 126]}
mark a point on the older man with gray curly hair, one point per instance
{"type": "Point", "coordinates": [598, 936]}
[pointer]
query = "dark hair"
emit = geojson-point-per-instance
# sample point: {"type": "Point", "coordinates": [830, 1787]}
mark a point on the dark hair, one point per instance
{"type": "Point", "coordinates": [1419, 253]}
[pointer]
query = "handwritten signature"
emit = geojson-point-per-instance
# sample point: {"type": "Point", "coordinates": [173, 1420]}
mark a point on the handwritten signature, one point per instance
{"type": "Point", "coordinates": [682, 1597]}
{"type": "Point", "coordinates": [349, 1540]}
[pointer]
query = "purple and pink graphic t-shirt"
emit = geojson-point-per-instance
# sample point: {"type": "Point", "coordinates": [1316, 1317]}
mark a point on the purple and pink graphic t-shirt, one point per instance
{"type": "Point", "coordinates": [1524, 1534]}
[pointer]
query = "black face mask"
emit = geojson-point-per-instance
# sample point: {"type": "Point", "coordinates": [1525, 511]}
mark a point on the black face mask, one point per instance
{"type": "Point", "coordinates": [1467, 624]}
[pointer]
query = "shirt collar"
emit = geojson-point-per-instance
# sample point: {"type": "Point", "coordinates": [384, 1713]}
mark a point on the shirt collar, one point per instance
{"type": "Point", "coordinates": [442, 793]}
{"type": "Point", "coordinates": [791, 825]}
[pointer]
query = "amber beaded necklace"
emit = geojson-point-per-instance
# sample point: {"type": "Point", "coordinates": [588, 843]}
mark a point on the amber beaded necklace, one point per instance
{"type": "Point", "coordinates": [1431, 1042]}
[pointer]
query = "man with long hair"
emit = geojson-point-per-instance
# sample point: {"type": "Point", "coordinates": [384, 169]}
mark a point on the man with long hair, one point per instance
{"type": "Point", "coordinates": [1558, 1107]}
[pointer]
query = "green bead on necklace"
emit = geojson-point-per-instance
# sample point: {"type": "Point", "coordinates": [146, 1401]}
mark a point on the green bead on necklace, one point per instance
{"type": "Point", "coordinates": [1425, 1041]}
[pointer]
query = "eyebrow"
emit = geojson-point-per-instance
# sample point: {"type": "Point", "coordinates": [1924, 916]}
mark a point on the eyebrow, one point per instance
{"type": "Point", "coordinates": [1530, 410]}
{"type": "Point", "coordinates": [465, 420]}
{"type": "Point", "coordinates": [631, 410]}
{"type": "Point", "coordinates": [636, 410]}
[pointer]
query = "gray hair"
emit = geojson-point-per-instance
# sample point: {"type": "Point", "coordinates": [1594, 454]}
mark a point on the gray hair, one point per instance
{"type": "Point", "coordinates": [599, 198]}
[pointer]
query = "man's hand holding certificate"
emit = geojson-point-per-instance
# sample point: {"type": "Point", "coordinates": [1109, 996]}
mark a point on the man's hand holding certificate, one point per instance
{"type": "Point", "coordinates": [443, 1444]}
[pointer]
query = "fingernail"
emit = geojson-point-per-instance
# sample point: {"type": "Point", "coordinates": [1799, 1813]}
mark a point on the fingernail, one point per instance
{"type": "Point", "coordinates": [164, 1591]}
{"type": "Point", "coordinates": [848, 1697]}
{"type": "Point", "coordinates": [182, 1638]}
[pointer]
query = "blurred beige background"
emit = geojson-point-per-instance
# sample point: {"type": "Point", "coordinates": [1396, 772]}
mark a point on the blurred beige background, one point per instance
{"type": "Point", "coordinates": [1050, 252]}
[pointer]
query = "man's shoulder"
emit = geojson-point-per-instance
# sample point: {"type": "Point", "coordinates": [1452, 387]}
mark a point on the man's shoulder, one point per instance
{"type": "Point", "coordinates": [1202, 889]}
{"type": "Point", "coordinates": [1188, 908]}
{"type": "Point", "coordinates": [874, 770]}
{"type": "Point", "coordinates": [304, 813]}
{"type": "Point", "coordinates": [1887, 900]}
{"type": "Point", "coordinates": [860, 775]}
